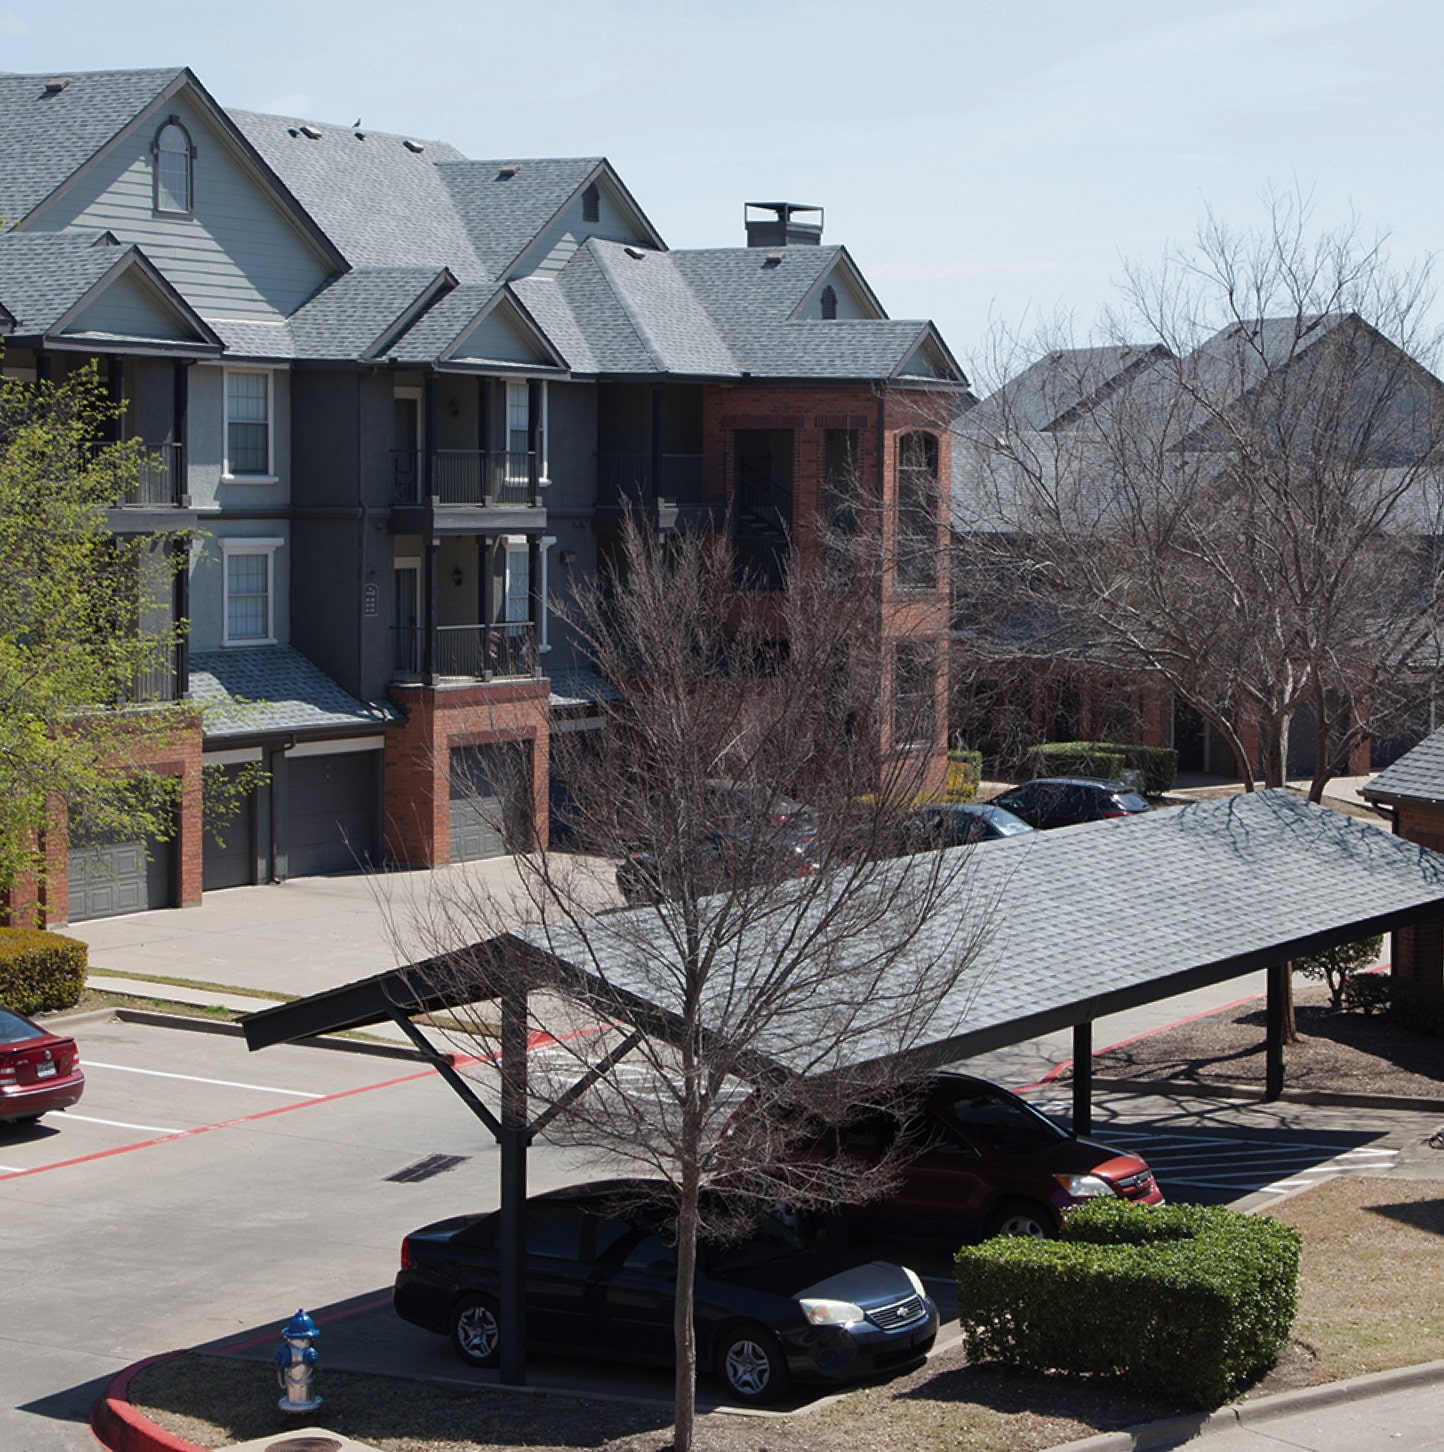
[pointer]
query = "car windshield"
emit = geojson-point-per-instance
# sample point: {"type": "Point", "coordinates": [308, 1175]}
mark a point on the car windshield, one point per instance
{"type": "Point", "coordinates": [1002, 1122]}
{"type": "Point", "coordinates": [1131, 801]}
{"type": "Point", "coordinates": [14, 1029]}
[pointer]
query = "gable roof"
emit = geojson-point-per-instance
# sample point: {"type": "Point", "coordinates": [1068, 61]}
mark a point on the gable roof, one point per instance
{"type": "Point", "coordinates": [1066, 383]}
{"type": "Point", "coordinates": [49, 136]}
{"type": "Point", "coordinates": [358, 313]}
{"type": "Point", "coordinates": [46, 278]}
{"type": "Point", "coordinates": [378, 196]}
{"type": "Point", "coordinates": [1417, 776]}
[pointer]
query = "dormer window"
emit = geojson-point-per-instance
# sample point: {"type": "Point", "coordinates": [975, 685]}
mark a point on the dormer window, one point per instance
{"type": "Point", "coordinates": [173, 157]}
{"type": "Point", "coordinates": [592, 204]}
{"type": "Point", "coordinates": [829, 303]}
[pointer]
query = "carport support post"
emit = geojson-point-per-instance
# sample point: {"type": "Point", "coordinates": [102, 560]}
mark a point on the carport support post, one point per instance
{"type": "Point", "coordinates": [1278, 982]}
{"type": "Point", "coordinates": [1083, 1078]}
{"type": "Point", "coordinates": [513, 1187]}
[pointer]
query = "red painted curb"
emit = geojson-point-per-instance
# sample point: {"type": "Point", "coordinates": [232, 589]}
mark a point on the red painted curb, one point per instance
{"type": "Point", "coordinates": [120, 1428]}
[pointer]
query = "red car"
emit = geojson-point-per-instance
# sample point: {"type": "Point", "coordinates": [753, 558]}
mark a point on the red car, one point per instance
{"type": "Point", "coordinates": [39, 1071]}
{"type": "Point", "coordinates": [982, 1162]}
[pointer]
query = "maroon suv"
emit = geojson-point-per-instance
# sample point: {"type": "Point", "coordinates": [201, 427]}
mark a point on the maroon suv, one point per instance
{"type": "Point", "coordinates": [983, 1162]}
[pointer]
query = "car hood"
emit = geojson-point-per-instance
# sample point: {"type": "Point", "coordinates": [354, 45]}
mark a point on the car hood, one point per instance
{"type": "Point", "coordinates": [877, 1283]}
{"type": "Point", "coordinates": [1086, 1156]}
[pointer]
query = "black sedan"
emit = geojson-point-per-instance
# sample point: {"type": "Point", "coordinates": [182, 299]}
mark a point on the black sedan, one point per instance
{"type": "Point", "coordinates": [960, 824]}
{"type": "Point", "coordinates": [601, 1278]}
{"type": "Point", "coordinates": [1064, 801]}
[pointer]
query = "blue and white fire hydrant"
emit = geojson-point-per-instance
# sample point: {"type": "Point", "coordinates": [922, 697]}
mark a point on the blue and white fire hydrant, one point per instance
{"type": "Point", "coordinates": [296, 1360]}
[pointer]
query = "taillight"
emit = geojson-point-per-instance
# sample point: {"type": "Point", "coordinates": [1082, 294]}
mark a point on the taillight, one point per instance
{"type": "Point", "coordinates": [1114, 812]}
{"type": "Point", "coordinates": [407, 1259]}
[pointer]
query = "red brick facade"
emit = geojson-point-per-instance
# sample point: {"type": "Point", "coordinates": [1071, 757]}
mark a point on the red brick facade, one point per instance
{"type": "Point", "coordinates": [880, 417]}
{"type": "Point", "coordinates": [1418, 952]}
{"type": "Point", "coordinates": [418, 758]}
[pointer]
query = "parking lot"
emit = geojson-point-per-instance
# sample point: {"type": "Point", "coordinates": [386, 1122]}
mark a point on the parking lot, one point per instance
{"type": "Point", "coordinates": [198, 1194]}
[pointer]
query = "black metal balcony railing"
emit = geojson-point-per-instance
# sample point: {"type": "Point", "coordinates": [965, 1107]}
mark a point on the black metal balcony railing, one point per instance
{"type": "Point", "coordinates": [466, 476]}
{"type": "Point", "coordinates": [160, 479]}
{"type": "Point", "coordinates": [633, 478]}
{"type": "Point", "coordinates": [477, 652]}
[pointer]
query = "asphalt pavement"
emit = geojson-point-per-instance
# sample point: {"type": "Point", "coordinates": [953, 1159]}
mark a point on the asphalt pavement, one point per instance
{"type": "Point", "coordinates": [309, 934]}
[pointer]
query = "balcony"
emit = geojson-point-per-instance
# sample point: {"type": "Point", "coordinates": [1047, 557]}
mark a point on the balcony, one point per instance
{"type": "Point", "coordinates": [473, 477]}
{"type": "Point", "coordinates": [503, 650]}
{"type": "Point", "coordinates": [160, 480]}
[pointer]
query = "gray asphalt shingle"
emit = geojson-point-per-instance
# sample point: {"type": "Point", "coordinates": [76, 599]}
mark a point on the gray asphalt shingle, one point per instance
{"type": "Point", "coordinates": [274, 688]}
{"type": "Point", "coordinates": [1417, 775]}
{"type": "Point", "coordinates": [49, 137]}
{"type": "Point", "coordinates": [44, 274]}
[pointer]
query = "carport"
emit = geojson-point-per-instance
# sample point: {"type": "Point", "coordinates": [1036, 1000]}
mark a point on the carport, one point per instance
{"type": "Point", "coordinates": [1084, 922]}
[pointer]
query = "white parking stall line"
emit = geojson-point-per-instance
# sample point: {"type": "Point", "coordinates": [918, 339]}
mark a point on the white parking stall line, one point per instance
{"type": "Point", "coordinates": [9, 1169]}
{"type": "Point", "coordinates": [121, 1124]}
{"type": "Point", "coordinates": [89, 1064]}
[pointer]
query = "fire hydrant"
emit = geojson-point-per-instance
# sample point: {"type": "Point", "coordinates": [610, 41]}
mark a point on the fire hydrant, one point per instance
{"type": "Point", "coordinates": [296, 1360]}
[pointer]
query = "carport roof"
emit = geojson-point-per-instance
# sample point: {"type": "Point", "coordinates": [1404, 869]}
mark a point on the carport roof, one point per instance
{"type": "Point", "coordinates": [1084, 922]}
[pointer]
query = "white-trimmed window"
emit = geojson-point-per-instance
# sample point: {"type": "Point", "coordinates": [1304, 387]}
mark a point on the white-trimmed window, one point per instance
{"type": "Point", "coordinates": [519, 430]}
{"type": "Point", "coordinates": [250, 590]}
{"type": "Point", "coordinates": [172, 155]}
{"type": "Point", "coordinates": [517, 599]}
{"type": "Point", "coordinates": [249, 442]}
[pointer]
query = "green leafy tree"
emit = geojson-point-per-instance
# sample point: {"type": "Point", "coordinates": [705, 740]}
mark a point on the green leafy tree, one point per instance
{"type": "Point", "coordinates": [87, 629]}
{"type": "Point", "coordinates": [1338, 966]}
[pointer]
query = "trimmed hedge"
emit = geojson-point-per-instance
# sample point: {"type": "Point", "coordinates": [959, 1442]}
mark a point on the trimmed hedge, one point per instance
{"type": "Point", "coordinates": [1158, 765]}
{"type": "Point", "coordinates": [1182, 1301]}
{"type": "Point", "coordinates": [40, 971]}
{"type": "Point", "coordinates": [965, 771]}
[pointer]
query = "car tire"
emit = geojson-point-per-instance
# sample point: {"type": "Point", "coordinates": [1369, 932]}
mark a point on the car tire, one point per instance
{"type": "Point", "coordinates": [476, 1331]}
{"type": "Point", "coordinates": [751, 1366]}
{"type": "Point", "coordinates": [1022, 1217]}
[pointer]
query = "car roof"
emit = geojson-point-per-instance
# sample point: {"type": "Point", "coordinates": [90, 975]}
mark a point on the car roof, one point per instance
{"type": "Point", "coordinates": [1107, 783]}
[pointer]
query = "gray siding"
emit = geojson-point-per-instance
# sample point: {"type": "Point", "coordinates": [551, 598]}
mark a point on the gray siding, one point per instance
{"type": "Point", "coordinates": [130, 307]}
{"type": "Point", "coordinates": [571, 446]}
{"type": "Point", "coordinates": [850, 302]}
{"type": "Point", "coordinates": [499, 337]}
{"type": "Point", "coordinates": [239, 256]}
{"type": "Point", "coordinates": [553, 249]}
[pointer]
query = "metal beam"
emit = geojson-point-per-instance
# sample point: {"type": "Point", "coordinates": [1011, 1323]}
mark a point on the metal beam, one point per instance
{"type": "Point", "coordinates": [1274, 1043]}
{"type": "Point", "coordinates": [443, 1066]}
{"type": "Point", "coordinates": [565, 1101]}
{"type": "Point", "coordinates": [514, 1136]}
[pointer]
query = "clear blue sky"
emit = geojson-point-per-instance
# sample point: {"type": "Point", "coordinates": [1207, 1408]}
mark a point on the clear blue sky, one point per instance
{"type": "Point", "coordinates": [980, 160]}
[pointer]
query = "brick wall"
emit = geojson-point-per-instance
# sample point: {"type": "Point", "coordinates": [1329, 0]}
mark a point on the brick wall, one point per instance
{"type": "Point", "coordinates": [418, 758]}
{"type": "Point", "coordinates": [1418, 951]}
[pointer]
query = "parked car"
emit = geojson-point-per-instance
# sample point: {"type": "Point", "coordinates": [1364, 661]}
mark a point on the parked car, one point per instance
{"type": "Point", "coordinates": [959, 824]}
{"type": "Point", "coordinates": [978, 1161]}
{"type": "Point", "coordinates": [601, 1281]}
{"type": "Point", "coordinates": [39, 1070]}
{"type": "Point", "coordinates": [1063, 801]}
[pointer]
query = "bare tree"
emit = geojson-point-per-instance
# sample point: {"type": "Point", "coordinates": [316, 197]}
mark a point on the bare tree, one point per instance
{"type": "Point", "coordinates": [1236, 497]}
{"type": "Point", "coordinates": [781, 951]}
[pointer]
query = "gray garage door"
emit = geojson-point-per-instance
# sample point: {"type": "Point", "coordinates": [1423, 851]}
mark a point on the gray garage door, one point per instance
{"type": "Point", "coordinates": [110, 875]}
{"type": "Point", "coordinates": [331, 821]}
{"type": "Point", "coordinates": [231, 862]}
{"type": "Point", "coordinates": [490, 799]}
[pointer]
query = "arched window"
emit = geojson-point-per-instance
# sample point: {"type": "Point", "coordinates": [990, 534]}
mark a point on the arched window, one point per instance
{"type": "Point", "coordinates": [173, 155]}
{"type": "Point", "coordinates": [829, 302]}
{"type": "Point", "coordinates": [592, 204]}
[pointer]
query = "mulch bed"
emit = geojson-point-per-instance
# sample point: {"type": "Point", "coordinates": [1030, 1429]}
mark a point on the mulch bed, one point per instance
{"type": "Point", "coordinates": [1336, 1052]}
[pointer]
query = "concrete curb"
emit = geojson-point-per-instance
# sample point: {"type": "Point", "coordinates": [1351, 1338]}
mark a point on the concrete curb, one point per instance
{"type": "Point", "coordinates": [117, 1425]}
{"type": "Point", "coordinates": [1176, 1430]}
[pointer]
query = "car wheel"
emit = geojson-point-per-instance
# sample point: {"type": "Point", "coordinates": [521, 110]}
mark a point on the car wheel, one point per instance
{"type": "Point", "coordinates": [1019, 1217]}
{"type": "Point", "coordinates": [476, 1331]}
{"type": "Point", "coordinates": [750, 1364]}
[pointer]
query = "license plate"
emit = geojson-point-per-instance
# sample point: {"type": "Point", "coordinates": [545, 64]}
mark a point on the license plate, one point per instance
{"type": "Point", "coordinates": [46, 1070]}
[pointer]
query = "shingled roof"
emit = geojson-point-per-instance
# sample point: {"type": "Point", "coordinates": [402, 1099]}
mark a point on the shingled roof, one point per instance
{"type": "Point", "coordinates": [1417, 776]}
{"type": "Point", "coordinates": [50, 134]}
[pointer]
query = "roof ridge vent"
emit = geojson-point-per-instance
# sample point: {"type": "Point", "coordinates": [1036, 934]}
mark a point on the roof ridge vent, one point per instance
{"type": "Point", "coordinates": [309, 132]}
{"type": "Point", "coordinates": [56, 85]}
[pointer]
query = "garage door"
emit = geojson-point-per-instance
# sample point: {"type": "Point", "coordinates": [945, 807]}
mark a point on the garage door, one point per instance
{"type": "Point", "coordinates": [231, 862]}
{"type": "Point", "coordinates": [331, 821]}
{"type": "Point", "coordinates": [110, 875]}
{"type": "Point", "coordinates": [490, 799]}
